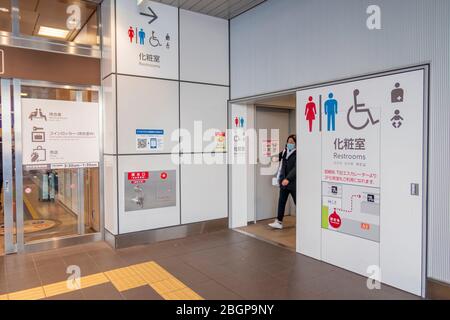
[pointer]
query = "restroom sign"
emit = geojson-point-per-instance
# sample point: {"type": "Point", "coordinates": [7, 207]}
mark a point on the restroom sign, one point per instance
{"type": "Point", "coordinates": [147, 39]}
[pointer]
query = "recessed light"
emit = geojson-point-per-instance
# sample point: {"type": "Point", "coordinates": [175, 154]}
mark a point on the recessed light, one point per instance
{"type": "Point", "coordinates": [53, 32]}
{"type": "Point", "coordinates": [23, 94]}
{"type": "Point", "coordinates": [4, 10]}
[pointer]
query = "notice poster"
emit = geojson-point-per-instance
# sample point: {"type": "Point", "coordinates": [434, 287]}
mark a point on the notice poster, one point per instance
{"type": "Point", "coordinates": [270, 148]}
{"type": "Point", "coordinates": [221, 142]}
{"type": "Point", "coordinates": [349, 117]}
{"type": "Point", "coordinates": [60, 134]}
{"type": "Point", "coordinates": [150, 190]}
{"type": "Point", "coordinates": [149, 140]}
{"type": "Point", "coordinates": [352, 210]}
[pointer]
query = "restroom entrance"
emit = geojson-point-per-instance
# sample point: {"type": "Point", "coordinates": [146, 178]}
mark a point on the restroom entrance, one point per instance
{"type": "Point", "coordinates": [362, 175]}
{"type": "Point", "coordinates": [48, 197]}
{"type": "Point", "coordinates": [270, 122]}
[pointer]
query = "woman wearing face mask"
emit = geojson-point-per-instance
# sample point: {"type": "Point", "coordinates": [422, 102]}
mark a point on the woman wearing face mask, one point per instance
{"type": "Point", "coordinates": [287, 177]}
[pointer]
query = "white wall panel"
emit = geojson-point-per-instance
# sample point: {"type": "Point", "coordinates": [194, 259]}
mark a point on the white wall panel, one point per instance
{"type": "Point", "coordinates": [283, 44]}
{"type": "Point", "coordinates": [152, 218]}
{"type": "Point", "coordinates": [309, 233]}
{"type": "Point", "coordinates": [350, 253]}
{"type": "Point", "coordinates": [110, 193]}
{"type": "Point", "coordinates": [204, 192]}
{"type": "Point", "coordinates": [239, 178]}
{"type": "Point", "coordinates": [109, 117]}
{"type": "Point", "coordinates": [146, 104]}
{"type": "Point", "coordinates": [206, 104]}
{"type": "Point", "coordinates": [204, 54]}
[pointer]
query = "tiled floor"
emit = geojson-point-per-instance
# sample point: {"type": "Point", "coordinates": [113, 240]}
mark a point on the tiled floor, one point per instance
{"type": "Point", "coordinates": [285, 237]}
{"type": "Point", "coordinates": [223, 265]}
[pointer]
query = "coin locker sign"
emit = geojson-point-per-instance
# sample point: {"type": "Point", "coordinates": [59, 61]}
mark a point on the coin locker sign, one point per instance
{"type": "Point", "coordinates": [60, 134]}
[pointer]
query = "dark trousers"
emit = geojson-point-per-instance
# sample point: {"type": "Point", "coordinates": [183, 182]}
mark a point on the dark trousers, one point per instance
{"type": "Point", "coordinates": [284, 196]}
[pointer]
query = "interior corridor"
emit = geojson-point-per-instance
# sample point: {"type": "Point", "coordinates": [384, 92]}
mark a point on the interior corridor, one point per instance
{"type": "Point", "coordinates": [224, 265]}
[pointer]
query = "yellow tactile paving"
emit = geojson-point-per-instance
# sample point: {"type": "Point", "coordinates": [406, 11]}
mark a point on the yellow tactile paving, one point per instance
{"type": "Point", "coordinates": [93, 280]}
{"type": "Point", "coordinates": [30, 208]}
{"type": "Point", "coordinates": [57, 289]}
{"type": "Point", "coordinates": [167, 285]}
{"type": "Point", "coordinates": [151, 272]}
{"type": "Point", "coordinates": [183, 294]}
{"type": "Point", "coordinates": [30, 294]}
{"type": "Point", "coordinates": [125, 279]}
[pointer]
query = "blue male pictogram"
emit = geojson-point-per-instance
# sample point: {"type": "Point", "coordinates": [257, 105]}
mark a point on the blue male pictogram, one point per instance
{"type": "Point", "coordinates": [142, 36]}
{"type": "Point", "coordinates": [331, 110]}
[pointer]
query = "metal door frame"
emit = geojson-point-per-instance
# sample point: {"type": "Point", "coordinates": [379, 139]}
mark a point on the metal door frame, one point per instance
{"type": "Point", "coordinates": [9, 188]}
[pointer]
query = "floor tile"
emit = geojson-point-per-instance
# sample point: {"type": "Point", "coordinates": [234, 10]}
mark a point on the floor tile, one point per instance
{"type": "Point", "coordinates": [29, 294]}
{"type": "Point", "coordinates": [183, 271]}
{"type": "Point", "coordinates": [141, 293]}
{"type": "Point", "coordinates": [75, 295]}
{"type": "Point", "coordinates": [211, 290]}
{"type": "Point", "coordinates": [104, 291]}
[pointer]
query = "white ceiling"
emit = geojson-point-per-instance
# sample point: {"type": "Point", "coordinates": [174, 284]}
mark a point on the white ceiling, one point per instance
{"type": "Point", "coordinates": [225, 9]}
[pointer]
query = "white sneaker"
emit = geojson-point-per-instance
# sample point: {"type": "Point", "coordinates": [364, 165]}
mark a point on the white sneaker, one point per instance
{"type": "Point", "coordinates": [276, 225]}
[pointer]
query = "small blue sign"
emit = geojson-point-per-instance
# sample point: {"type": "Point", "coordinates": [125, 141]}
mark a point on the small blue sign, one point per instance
{"type": "Point", "coordinates": [149, 132]}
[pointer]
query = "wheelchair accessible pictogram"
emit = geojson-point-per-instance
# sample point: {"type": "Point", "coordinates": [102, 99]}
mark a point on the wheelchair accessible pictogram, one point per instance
{"type": "Point", "coordinates": [360, 108]}
{"type": "Point", "coordinates": [154, 41]}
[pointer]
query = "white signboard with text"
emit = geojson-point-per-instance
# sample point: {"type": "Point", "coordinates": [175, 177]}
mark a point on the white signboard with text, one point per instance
{"type": "Point", "coordinates": [60, 134]}
{"type": "Point", "coordinates": [147, 39]}
{"type": "Point", "coordinates": [361, 163]}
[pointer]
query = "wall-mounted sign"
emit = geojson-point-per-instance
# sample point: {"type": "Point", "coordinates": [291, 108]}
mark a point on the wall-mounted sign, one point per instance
{"type": "Point", "coordinates": [149, 140]}
{"type": "Point", "coordinates": [270, 148]}
{"type": "Point", "coordinates": [55, 132]}
{"type": "Point", "coordinates": [220, 139]}
{"type": "Point", "coordinates": [147, 39]}
{"type": "Point", "coordinates": [352, 210]}
{"type": "Point", "coordinates": [349, 118]}
{"type": "Point", "coordinates": [150, 190]}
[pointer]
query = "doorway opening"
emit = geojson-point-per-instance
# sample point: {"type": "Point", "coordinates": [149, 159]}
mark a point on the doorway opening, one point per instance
{"type": "Point", "coordinates": [274, 121]}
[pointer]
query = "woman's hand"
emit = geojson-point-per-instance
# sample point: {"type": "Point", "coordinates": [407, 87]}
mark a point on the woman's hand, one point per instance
{"type": "Point", "coordinates": [285, 183]}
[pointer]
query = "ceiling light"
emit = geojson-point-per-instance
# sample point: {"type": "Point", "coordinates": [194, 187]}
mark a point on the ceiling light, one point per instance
{"type": "Point", "coordinates": [53, 32]}
{"type": "Point", "coordinates": [4, 10]}
{"type": "Point", "coordinates": [23, 94]}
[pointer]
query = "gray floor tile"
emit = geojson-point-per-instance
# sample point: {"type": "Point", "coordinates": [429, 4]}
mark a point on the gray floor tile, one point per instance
{"type": "Point", "coordinates": [141, 293]}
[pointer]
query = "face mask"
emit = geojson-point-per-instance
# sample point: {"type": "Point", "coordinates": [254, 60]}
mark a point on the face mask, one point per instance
{"type": "Point", "coordinates": [290, 146]}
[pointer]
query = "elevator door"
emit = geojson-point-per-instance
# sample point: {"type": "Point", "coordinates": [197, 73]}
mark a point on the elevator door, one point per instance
{"type": "Point", "coordinates": [272, 126]}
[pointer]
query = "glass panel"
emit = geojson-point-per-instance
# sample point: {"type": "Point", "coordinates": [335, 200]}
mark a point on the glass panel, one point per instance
{"type": "Point", "coordinates": [2, 216]}
{"type": "Point", "coordinates": [5, 15]}
{"type": "Point", "coordinates": [67, 20]}
{"type": "Point", "coordinates": [7, 215]}
{"type": "Point", "coordinates": [65, 202]}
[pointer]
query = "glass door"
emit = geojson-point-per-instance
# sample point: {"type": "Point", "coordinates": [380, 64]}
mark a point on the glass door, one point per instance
{"type": "Point", "coordinates": [11, 220]}
{"type": "Point", "coordinates": [51, 161]}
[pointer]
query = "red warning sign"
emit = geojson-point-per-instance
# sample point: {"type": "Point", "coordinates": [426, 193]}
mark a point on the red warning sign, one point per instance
{"type": "Point", "coordinates": [138, 177]}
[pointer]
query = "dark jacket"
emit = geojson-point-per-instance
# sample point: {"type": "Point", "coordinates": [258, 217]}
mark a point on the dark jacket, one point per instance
{"type": "Point", "coordinates": [289, 170]}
